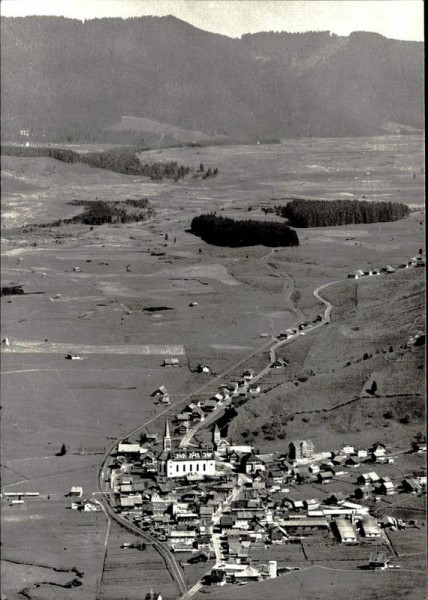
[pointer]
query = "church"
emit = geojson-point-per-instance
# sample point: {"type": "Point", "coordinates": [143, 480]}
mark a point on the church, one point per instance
{"type": "Point", "coordinates": [181, 462]}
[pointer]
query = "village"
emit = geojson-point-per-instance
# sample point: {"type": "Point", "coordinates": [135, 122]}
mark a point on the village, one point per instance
{"type": "Point", "coordinates": [243, 508]}
{"type": "Point", "coordinates": [237, 511]}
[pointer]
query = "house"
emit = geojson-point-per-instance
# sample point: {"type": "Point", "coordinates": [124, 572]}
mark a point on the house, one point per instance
{"type": "Point", "coordinates": [362, 453]}
{"type": "Point", "coordinates": [209, 406]}
{"type": "Point", "coordinates": [203, 369]}
{"type": "Point", "coordinates": [411, 486]}
{"type": "Point", "coordinates": [348, 449]}
{"type": "Point", "coordinates": [386, 488]}
{"type": "Point", "coordinates": [233, 387]}
{"type": "Point", "coordinates": [160, 391]}
{"type": "Point", "coordinates": [378, 560]}
{"type": "Point", "coordinates": [248, 374]}
{"type": "Point", "coordinates": [252, 464]}
{"type": "Point", "coordinates": [336, 499]}
{"type": "Point", "coordinates": [370, 528]}
{"type": "Point", "coordinates": [345, 531]}
{"type": "Point", "coordinates": [351, 461]}
{"type": "Point", "coordinates": [127, 502]}
{"type": "Point", "coordinates": [297, 504]}
{"type": "Point", "coordinates": [197, 414]}
{"type": "Point", "coordinates": [254, 388]}
{"type": "Point", "coordinates": [128, 449]}
{"type": "Point", "coordinates": [279, 363]}
{"type": "Point", "coordinates": [368, 478]}
{"type": "Point", "coordinates": [177, 536]}
{"type": "Point", "coordinates": [325, 476]}
{"type": "Point", "coordinates": [303, 474]}
{"type": "Point", "coordinates": [171, 362]}
{"type": "Point", "coordinates": [277, 535]}
{"type": "Point", "coordinates": [364, 492]}
{"type": "Point", "coordinates": [301, 449]}
{"type": "Point", "coordinates": [306, 524]}
{"type": "Point", "coordinates": [183, 418]}
{"type": "Point", "coordinates": [227, 522]}
{"type": "Point", "coordinates": [419, 446]}
{"type": "Point", "coordinates": [249, 573]}
{"type": "Point", "coordinates": [378, 455]}
{"type": "Point", "coordinates": [389, 523]}
{"type": "Point", "coordinates": [311, 504]}
{"type": "Point", "coordinates": [206, 512]}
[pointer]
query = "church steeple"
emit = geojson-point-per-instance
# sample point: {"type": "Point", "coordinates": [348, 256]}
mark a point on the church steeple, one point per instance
{"type": "Point", "coordinates": [216, 436]}
{"type": "Point", "coordinates": [167, 437]}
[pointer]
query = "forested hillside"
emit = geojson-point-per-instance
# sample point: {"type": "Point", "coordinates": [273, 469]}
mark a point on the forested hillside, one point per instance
{"type": "Point", "coordinates": [71, 80]}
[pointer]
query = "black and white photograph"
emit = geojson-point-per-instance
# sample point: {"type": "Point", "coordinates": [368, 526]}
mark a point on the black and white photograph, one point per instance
{"type": "Point", "coordinates": [213, 299]}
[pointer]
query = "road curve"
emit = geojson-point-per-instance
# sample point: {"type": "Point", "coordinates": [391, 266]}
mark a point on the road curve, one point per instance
{"type": "Point", "coordinates": [163, 550]}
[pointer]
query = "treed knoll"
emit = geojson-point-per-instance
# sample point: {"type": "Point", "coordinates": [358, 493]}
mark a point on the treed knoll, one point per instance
{"type": "Point", "coordinates": [123, 160]}
{"type": "Point", "coordinates": [327, 213]}
{"type": "Point", "coordinates": [72, 80]}
{"type": "Point", "coordinates": [222, 231]}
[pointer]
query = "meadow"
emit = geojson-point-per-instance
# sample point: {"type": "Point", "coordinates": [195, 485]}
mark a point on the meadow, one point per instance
{"type": "Point", "coordinates": [100, 312]}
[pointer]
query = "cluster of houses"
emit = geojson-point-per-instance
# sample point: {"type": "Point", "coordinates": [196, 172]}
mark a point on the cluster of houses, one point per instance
{"type": "Point", "coordinates": [197, 411]}
{"type": "Point", "coordinates": [416, 261]}
{"type": "Point", "coordinates": [299, 330]}
{"type": "Point", "coordinates": [230, 500]}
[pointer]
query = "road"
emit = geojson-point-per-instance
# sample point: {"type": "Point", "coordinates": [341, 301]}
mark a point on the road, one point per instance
{"type": "Point", "coordinates": [273, 346]}
{"type": "Point", "coordinates": [163, 550]}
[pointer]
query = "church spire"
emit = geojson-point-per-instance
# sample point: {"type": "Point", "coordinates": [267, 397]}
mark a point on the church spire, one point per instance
{"type": "Point", "coordinates": [217, 435]}
{"type": "Point", "coordinates": [167, 437]}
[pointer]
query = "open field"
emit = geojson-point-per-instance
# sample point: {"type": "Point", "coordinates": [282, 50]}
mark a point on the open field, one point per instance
{"type": "Point", "coordinates": [101, 313]}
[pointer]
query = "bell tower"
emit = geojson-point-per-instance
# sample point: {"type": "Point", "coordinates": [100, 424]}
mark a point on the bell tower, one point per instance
{"type": "Point", "coordinates": [167, 438]}
{"type": "Point", "coordinates": [216, 436]}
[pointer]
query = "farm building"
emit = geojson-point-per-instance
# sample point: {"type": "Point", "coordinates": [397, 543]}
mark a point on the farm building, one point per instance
{"type": "Point", "coordinates": [345, 531]}
{"type": "Point", "coordinates": [248, 374]}
{"type": "Point", "coordinates": [411, 486]}
{"type": "Point", "coordinates": [368, 478]}
{"type": "Point", "coordinates": [378, 561]}
{"type": "Point", "coordinates": [325, 476]}
{"type": "Point", "coordinates": [171, 362]}
{"type": "Point", "coordinates": [129, 449]}
{"type": "Point", "coordinates": [370, 527]}
{"type": "Point", "coordinates": [387, 488]}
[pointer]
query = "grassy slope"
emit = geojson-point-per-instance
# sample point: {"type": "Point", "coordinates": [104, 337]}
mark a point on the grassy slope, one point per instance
{"type": "Point", "coordinates": [371, 326]}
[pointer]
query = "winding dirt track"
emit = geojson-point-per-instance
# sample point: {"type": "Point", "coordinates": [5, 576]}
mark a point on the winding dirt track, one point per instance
{"type": "Point", "coordinates": [273, 346]}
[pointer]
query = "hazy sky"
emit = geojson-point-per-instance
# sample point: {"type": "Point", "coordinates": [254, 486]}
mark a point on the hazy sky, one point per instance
{"type": "Point", "coordinates": [399, 19]}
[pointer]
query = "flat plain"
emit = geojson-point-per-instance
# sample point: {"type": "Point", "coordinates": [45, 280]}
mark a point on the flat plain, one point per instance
{"type": "Point", "coordinates": [102, 313]}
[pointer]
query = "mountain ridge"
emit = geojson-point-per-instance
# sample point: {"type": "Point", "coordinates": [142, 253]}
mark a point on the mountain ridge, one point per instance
{"type": "Point", "coordinates": [63, 78]}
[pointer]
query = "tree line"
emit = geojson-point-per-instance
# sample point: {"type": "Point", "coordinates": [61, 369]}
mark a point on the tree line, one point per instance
{"type": "Point", "coordinates": [98, 212]}
{"type": "Point", "coordinates": [121, 160]}
{"type": "Point", "coordinates": [223, 231]}
{"type": "Point", "coordinates": [326, 213]}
